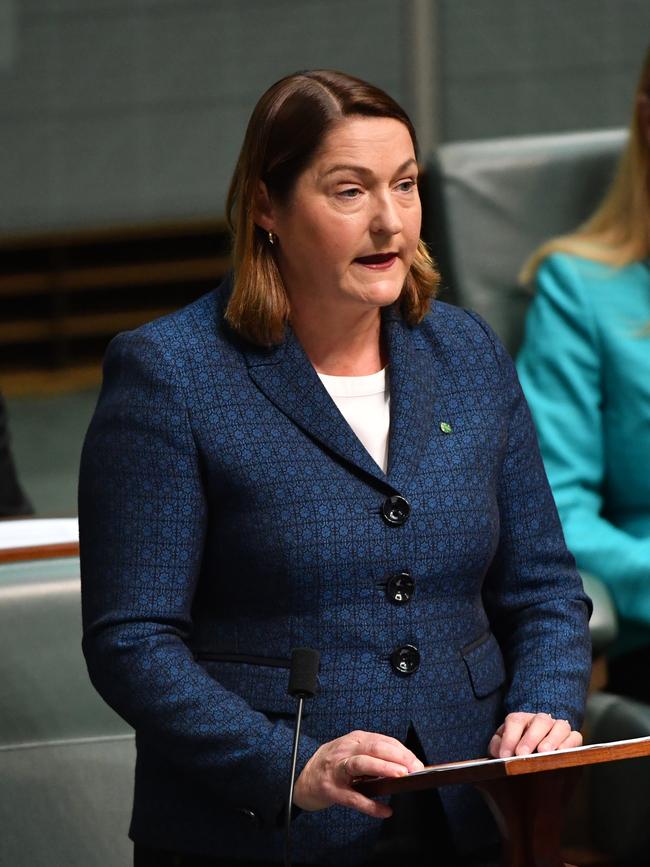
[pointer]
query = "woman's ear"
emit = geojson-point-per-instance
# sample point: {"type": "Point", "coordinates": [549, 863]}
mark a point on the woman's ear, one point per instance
{"type": "Point", "coordinates": [263, 211]}
{"type": "Point", "coordinates": [643, 103]}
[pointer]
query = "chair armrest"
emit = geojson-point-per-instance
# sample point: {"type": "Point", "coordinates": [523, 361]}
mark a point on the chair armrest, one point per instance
{"type": "Point", "coordinates": [603, 625]}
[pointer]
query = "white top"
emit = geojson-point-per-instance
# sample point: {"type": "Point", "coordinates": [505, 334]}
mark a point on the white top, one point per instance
{"type": "Point", "coordinates": [364, 402]}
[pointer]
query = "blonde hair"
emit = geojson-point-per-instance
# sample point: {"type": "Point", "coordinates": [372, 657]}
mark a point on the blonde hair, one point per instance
{"type": "Point", "coordinates": [618, 232]}
{"type": "Point", "coordinates": [286, 128]}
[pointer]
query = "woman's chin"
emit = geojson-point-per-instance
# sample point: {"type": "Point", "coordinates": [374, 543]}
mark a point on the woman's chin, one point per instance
{"type": "Point", "coordinates": [378, 292]}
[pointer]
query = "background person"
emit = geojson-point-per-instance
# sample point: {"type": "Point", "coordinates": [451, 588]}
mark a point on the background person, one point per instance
{"type": "Point", "coordinates": [13, 501]}
{"type": "Point", "coordinates": [585, 369]}
{"type": "Point", "coordinates": [229, 511]}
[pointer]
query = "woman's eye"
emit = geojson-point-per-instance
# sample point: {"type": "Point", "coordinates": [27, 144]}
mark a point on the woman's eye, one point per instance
{"type": "Point", "coordinates": [349, 193]}
{"type": "Point", "coordinates": [406, 186]}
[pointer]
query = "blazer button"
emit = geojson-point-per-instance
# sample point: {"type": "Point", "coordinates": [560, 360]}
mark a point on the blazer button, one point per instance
{"type": "Point", "coordinates": [400, 587]}
{"type": "Point", "coordinates": [405, 660]}
{"type": "Point", "coordinates": [250, 816]}
{"type": "Point", "coordinates": [396, 510]}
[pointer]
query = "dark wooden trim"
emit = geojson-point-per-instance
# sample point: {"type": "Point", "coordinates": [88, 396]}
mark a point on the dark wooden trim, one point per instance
{"type": "Point", "coordinates": [82, 325]}
{"type": "Point", "coordinates": [81, 279]}
{"type": "Point", "coordinates": [114, 232]}
{"type": "Point", "coordinates": [64, 294]}
{"type": "Point", "coordinates": [39, 552]}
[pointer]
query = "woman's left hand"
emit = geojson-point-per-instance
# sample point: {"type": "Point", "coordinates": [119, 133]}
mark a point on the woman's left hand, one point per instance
{"type": "Point", "coordinates": [525, 733]}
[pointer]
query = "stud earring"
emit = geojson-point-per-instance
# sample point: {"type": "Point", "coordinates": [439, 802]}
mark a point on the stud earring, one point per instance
{"type": "Point", "coordinates": [271, 238]}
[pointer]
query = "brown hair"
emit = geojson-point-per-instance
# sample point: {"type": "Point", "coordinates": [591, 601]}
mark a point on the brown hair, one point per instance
{"type": "Point", "coordinates": [618, 232]}
{"type": "Point", "coordinates": [285, 130]}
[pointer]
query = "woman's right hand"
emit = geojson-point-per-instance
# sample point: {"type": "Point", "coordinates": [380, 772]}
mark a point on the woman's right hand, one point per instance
{"type": "Point", "coordinates": [327, 777]}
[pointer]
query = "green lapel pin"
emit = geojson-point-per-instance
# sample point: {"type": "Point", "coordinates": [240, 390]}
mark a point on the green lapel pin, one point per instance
{"type": "Point", "coordinates": [445, 427]}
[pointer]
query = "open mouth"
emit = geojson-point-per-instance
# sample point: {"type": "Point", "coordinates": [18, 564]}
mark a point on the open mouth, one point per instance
{"type": "Point", "coordinates": [377, 260]}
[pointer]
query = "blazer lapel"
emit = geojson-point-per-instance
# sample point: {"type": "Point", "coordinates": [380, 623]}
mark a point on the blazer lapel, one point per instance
{"type": "Point", "coordinates": [286, 376]}
{"type": "Point", "coordinates": [412, 390]}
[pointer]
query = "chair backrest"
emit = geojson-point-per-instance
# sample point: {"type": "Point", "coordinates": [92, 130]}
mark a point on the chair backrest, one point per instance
{"type": "Point", "coordinates": [66, 759]}
{"type": "Point", "coordinates": [67, 802]}
{"type": "Point", "coordinates": [489, 204]}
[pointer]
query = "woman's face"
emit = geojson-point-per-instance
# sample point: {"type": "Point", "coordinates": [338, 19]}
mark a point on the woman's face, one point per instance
{"type": "Point", "coordinates": [350, 230]}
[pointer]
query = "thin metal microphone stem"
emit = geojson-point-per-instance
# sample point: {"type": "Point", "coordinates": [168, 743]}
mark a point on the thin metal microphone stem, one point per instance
{"type": "Point", "coordinates": [294, 761]}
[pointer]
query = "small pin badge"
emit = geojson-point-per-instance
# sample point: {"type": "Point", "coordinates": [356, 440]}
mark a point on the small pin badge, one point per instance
{"type": "Point", "coordinates": [445, 427]}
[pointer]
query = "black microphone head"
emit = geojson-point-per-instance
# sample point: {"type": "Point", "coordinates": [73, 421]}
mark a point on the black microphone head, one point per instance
{"type": "Point", "coordinates": [303, 676]}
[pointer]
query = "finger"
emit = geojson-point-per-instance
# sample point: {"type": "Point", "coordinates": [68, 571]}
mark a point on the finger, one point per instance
{"type": "Point", "coordinates": [495, 742]}
{"type": "Point", "coordinates": [369, 766]}
{"type": "Point", "coordinates": [573, 740]}
{"type": "Point", "coordinates": [538, 728]}
{"type": "Point", "coordinates": [494, 746]}
{"type": "Point", "coordinates": [557, 735]}
{"type": "Point", "coordinates": [513, 728]}
{"type": "Point", "coordinates": [390, 750]}
{"type": "Point", "coordinates": [384, 747]}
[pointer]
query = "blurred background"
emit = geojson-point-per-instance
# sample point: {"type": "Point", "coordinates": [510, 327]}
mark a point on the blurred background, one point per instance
{"type": "Point", "coordinates": [120, 122]}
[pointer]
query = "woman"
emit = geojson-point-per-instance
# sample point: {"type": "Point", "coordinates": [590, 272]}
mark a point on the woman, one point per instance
{"type": "Point", "coordinates": [230, 512]}
{"type": "Point", "coordinates": [585, 368]}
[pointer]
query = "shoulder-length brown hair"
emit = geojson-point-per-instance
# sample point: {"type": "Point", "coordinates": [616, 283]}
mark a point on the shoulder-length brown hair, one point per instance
{"type": "Point", "coordinates": [286, 129]}
{"type": "Point", "coordinates": [618, 232]}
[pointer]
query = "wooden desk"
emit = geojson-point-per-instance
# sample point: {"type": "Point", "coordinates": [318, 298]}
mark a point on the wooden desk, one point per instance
{"type": "Point", "coordinates": [38, 539]}
{"type": "Point", "coordinates": [526, 794]}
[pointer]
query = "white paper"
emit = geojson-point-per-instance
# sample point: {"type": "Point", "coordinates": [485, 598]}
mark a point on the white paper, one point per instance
{"type": "Point", "coordinates": [38, 531]}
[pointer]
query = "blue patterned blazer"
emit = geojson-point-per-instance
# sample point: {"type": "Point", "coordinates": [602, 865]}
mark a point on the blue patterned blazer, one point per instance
{"type": "Point", "coordinates": [228, 514]}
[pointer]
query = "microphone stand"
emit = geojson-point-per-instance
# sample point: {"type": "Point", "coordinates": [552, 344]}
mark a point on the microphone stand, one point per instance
{"type": "Point", "coordinates": [303, 683]}
{"type": "Point", "coordinates": [292, 782]}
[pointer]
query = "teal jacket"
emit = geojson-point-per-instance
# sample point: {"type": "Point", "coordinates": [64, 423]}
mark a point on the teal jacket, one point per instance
{"type": "Point", "coordinates": [585, 369]}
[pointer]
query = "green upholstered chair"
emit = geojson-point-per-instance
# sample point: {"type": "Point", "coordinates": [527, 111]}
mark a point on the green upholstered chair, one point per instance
{"type": "Point", "coordinates": [603, 625]}
{"type": "Point", "coordinates": [489, 204]}
{"type": "Point", "coordinates": [66, 760]}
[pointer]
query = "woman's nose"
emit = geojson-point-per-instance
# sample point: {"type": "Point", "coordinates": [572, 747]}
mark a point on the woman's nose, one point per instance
{"type": "Point", "coordinates": [386, 219]}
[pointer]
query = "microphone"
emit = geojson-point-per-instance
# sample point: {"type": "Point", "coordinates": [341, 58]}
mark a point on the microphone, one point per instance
{"type": "Point", "coordinates": [303, 683]}
{"type": "Point", "coordinates": [303, 675]}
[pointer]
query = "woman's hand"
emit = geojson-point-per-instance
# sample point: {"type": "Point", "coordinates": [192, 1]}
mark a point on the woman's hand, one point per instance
{"type": "Point", "coordinates": [523, 733]}
{"type": "Point", "coordinates": [326, 778]}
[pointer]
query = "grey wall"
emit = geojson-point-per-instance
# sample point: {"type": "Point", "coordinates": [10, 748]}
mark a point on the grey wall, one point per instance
{"type": "Point", "coordinates": [510, 67]}
{"type": "Point", "coordinates": [133, 110]}
{"type": "Point", "coordinates": [128, 110]}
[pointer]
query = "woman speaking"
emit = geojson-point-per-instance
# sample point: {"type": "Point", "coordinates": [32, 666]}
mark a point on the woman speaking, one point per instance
{"type": "Point", "coordinates": [316, 454]}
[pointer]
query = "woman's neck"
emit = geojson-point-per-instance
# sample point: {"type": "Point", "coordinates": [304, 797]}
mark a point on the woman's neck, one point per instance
{"type": "Point", "coordinates": [342, 345]}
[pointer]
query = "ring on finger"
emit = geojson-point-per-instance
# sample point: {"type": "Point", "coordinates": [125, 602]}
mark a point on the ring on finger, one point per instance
{"type": "Point", "coordinates": [344, 765]}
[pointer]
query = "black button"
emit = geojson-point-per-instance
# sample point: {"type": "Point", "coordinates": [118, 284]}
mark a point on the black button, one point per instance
{"type": "Point", "coordinates": [405, 660]}
{"type": "Point", "coordinates": [396, 510]}
{"type": "Point", "coordinates": [250, 816]}
{"type": "Point", "coordinates": [400, 587]}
